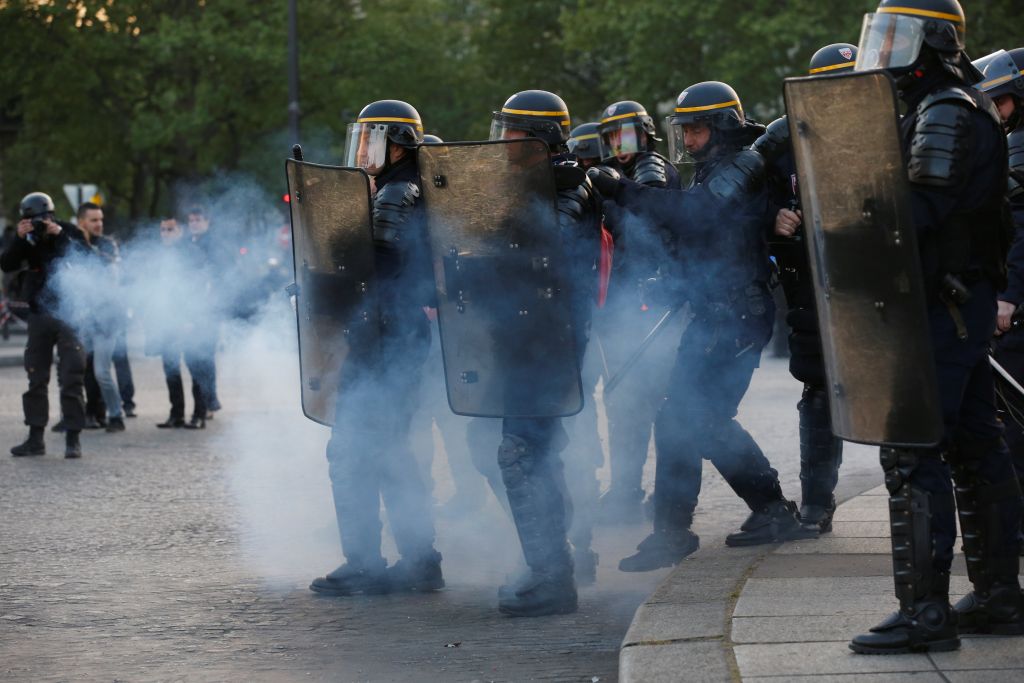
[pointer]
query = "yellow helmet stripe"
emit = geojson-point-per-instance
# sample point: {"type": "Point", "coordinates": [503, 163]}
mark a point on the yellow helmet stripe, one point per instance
{"type": "Point", "coordinates": [997, 81]}
{"type": "Point", "coordinates": [588, 136]}
{"type": "Point", "coordinates": [624, 116]}
{"type": "Point", "coordinates": [723, 105]}
{"type": "Point", "coordinates": [529, 112]}
{"type": "Point", "coordinates": [844, 65]}
{"type": "Point", "coordinates": [391, 119]}
{"type": "Point", "coordinates": [921, 13]}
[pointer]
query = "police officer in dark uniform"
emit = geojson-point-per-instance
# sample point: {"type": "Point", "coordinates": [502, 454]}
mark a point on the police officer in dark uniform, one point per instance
{"type": "Point", "coordinates": [718, 224]}
{"type": "Point", "coordinates": [1004, 83]}
{"type": "Point", "coordinates": [629, 140]}
{"type": "Point", "coordinates": [42, 244]}
{"type": "Point", "coordinates": [529, 452]}
{"type": "Point", "coordinates": [956, 165]}
{"type": "Point", "coordinates": [821, 453]}
{"type": "Point", "coordinates": [584, 143]}
{"type": "Point", "coordinates": [369, 454]}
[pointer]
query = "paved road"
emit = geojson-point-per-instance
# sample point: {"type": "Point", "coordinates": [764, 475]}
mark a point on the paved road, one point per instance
{"type": "Point", "coordinates": [186, 555]}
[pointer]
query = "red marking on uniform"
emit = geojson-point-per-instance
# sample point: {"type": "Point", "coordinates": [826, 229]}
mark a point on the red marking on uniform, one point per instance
{"type": "Point", "coordinates": [604, 266]}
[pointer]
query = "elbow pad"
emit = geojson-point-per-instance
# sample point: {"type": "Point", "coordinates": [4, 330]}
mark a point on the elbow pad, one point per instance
{"type": "Point", "coordinates": [392, 207]}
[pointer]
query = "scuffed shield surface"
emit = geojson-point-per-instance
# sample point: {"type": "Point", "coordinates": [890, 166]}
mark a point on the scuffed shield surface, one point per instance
{"type": "Point", "coordinates": [336, 308]}
{"type": "Point", "coordinates": [507, 334]}
{"type": "Point", "coordinates": [863, 253]}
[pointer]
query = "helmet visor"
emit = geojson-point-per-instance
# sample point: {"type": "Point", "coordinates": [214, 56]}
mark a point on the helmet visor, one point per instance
{"type": "Point", "coordinates": [506, 130]}
{"type": "Point", "coordinates": [677, 153]}
{"type": "Point", "coordinates": [889, 41]}
{"type": "Point", "coordinates": [1000, 71]}
{"type": "Point", "coordinates": [588, 146]}
{"type": "Point", "coordinates": [366, 146]}
{"type": "Point", "coordinates": [622, 140]}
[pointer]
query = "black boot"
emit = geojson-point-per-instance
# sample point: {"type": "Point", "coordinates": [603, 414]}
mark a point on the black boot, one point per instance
{"type": "Point", "coordinates": [197, 422]}
{"type": "Point", "coordinates": [421, 574]}
{"type": "Point", "coordinates": [995, 605]}
{"type": "Point", "coordinates": [925, 621]}
{"type": "Point", "coordinates": [172, 422]}
{"type": "Point", "coordinates": [661, 549]}
{"type": "Point", "coordinates": [821, 454]}
{"type": "Point", "coordinates": [353, 579]}
{"type": "Point", "coordinates": [115, 424]}
{"type": "Point", "coordinates": [924, 625]}
{"type": "Point", "coordinates": [72, 447]}
{"type": "Point", "coordinates": [530, 474]}
{"type": "Point", "coordinates": [775, 522]}
{"type": "Point", "coordinates": [33, 445]}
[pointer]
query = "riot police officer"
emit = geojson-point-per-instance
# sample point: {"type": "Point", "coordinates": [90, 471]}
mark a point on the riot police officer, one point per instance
{"type": "Point", "coordinates": [1004, 82]}
{"type": "Point", "coordinates": [628, 138]}
{"type": "Point", "coordinates": [821, 453]}
{"type": "Point", "coordinates": [369, 454]}
{"type": "Point", "coordinates": [718, 225]}
{"type": "Point", "coordinates": [956, 165]}
{"type": "Point", "coordinates": [528, 456]}
{"type": "Point", "coordinates": [584, 143]}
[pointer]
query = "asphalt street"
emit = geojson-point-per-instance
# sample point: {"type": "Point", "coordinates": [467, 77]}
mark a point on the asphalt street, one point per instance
{"type": "Point", "coordinates": [186, 555]}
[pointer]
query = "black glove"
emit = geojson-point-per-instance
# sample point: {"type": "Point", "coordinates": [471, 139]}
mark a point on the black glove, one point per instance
{"type": "Point", "coordinates": [606, 180]}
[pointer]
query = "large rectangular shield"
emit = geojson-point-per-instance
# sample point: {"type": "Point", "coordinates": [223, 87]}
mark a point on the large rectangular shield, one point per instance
{"type": "Point", "coordinates": [863, 253]}
{"type": "Point", "coordinates": [507, 330]}
{"type": "Point", "coordinates": [332, 244]}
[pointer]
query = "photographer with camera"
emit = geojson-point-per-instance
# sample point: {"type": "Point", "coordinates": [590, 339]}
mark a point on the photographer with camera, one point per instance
{"type": "Point", "coordinates": [42, 243]}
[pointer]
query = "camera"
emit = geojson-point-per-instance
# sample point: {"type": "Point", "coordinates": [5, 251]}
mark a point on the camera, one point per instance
{"type": "Point", "coordinates": [38, 207]}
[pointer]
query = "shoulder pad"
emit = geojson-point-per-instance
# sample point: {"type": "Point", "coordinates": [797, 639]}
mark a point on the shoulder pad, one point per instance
{"type": "Point", "coordinates": [953, 94]}
{"type": "Point", "coordinates": [650, 169]}
{"type": "Point", "coordinates": [740, 174]}
{"type": "Point", "coordinates": [940, 147]}
{"type": "Point", "coordinates": [775, 141]}
{"type": "Point", "coordinates": [1015, 142]}
{"type": "Point", "coordinates": [568, 176]}
{"type": "Point", "coordinates": [391, 208]}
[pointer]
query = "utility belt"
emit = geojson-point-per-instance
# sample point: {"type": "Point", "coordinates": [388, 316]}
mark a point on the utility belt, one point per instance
{"type": "Point", "coordinates": [954, 291]}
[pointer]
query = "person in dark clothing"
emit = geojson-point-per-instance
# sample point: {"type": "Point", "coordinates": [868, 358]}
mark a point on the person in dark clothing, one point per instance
{"type": "Point", "coordinates": [715, 230]}
{"type": "Point", "coordinates": [821, 453]}
{"type": "Point", "coordinates": [957, 167]}
{"type": "Point", "coordinates": [369, 456]}
{"type": "Point", "coordinates": [208, 257]}
{"type": "Point", "coordinates": [43, 243]}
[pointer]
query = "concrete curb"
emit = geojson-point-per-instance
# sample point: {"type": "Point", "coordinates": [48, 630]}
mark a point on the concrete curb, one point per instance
{"type": "Point", "coordinates": [683, 631]}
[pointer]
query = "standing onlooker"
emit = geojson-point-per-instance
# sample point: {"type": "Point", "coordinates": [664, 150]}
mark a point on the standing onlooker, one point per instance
{"type": "Point", "coordinates": [107, 314]}
{"type": "Point", "coordinates": [208, 257]}
{"type": "Point", "coordinates": [43, 243]}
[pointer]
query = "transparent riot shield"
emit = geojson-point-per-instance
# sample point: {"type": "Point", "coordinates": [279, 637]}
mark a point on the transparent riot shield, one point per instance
{"type": "Point", "coordinates": [507, 330]}
{"type": "Point", "coordinates": [863, 253]}
{"type": "Point", "coordinates": [332, 245]}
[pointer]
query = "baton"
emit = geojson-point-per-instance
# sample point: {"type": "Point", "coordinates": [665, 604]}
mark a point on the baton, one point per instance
{"type": "Point", "coordinates": [1006, 376]}
{"type": "Point", "coordinates": [660, 325]}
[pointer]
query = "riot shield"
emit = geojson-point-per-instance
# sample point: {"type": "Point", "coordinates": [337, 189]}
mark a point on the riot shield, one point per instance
{"type": "Point", "coordinates": [507, 331]}
{"type": "Point", "coordinates": [332, 245]}
{"type": "Point", "coordinates": [863, 254]}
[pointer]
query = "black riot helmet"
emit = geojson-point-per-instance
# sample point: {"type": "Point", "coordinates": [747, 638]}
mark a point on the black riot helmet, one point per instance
{"type": "Point", "coordinates": [833, 59]}
{"type": "Point", "coordinates": [585, 143]}
{"type": "Point", "coordinates": [429, 139]}
{"type": "Point", "coordinates": [538, 113]}
{"type": "Point", "coordinates": [901, 34]}
{"type": "Point", "coordinates": [1004, 76]}
{"type": "Point", "coordinates": [711, 102]}
{"type": "Point", "coordinates": [36, 205]}
{"type": "Point", "coordinates": [380, 123]}
{"type": "Point", "coordinates": [621, 126]}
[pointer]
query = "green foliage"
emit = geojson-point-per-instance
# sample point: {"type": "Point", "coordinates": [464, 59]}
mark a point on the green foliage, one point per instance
{"type": "Point", "coordinates": [154, 98]}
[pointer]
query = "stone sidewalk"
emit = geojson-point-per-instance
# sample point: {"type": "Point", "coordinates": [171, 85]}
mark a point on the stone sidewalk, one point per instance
{"type": "Point", "coordinates": [790, 612]}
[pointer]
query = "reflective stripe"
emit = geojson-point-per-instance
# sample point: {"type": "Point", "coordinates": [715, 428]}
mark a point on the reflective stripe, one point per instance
{"type": "Point", "coordinates": [391, 119]}
{"type": "Point", "coordinates": [997, 81]}
{"type": "Point", "coordinates": [624, 116]}
{"type": "Point", "coordinates": [831, 68]}
{"type": "Point", "coordinates": [921, 13]}
{"type": "Point", "coordinates": [528, 112]}
{"type": "Point", "coordinates": [588, 136]}
{"type": "Point", "coordinates": [683, 110]}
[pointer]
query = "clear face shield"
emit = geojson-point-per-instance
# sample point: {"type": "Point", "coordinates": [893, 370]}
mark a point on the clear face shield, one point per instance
{"type": "Point", "coordinates": [626, 139]}
{"type": "Point", "coordinates": [589, 146]}
{"type": "Point", "coordinates": [889, 41]}
{"type": "Point", "coordinates": [366, 146]}
{"type": "Point", "coordinates": [1000, 70]}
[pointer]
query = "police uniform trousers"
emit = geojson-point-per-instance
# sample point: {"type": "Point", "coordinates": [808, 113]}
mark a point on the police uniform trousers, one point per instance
{"type": "Point", "coordinates": [716, 359]}
{"type": "Point", "coordinates": [369, 455]}
{"type": "Point", "coordinates": [44, 332]}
